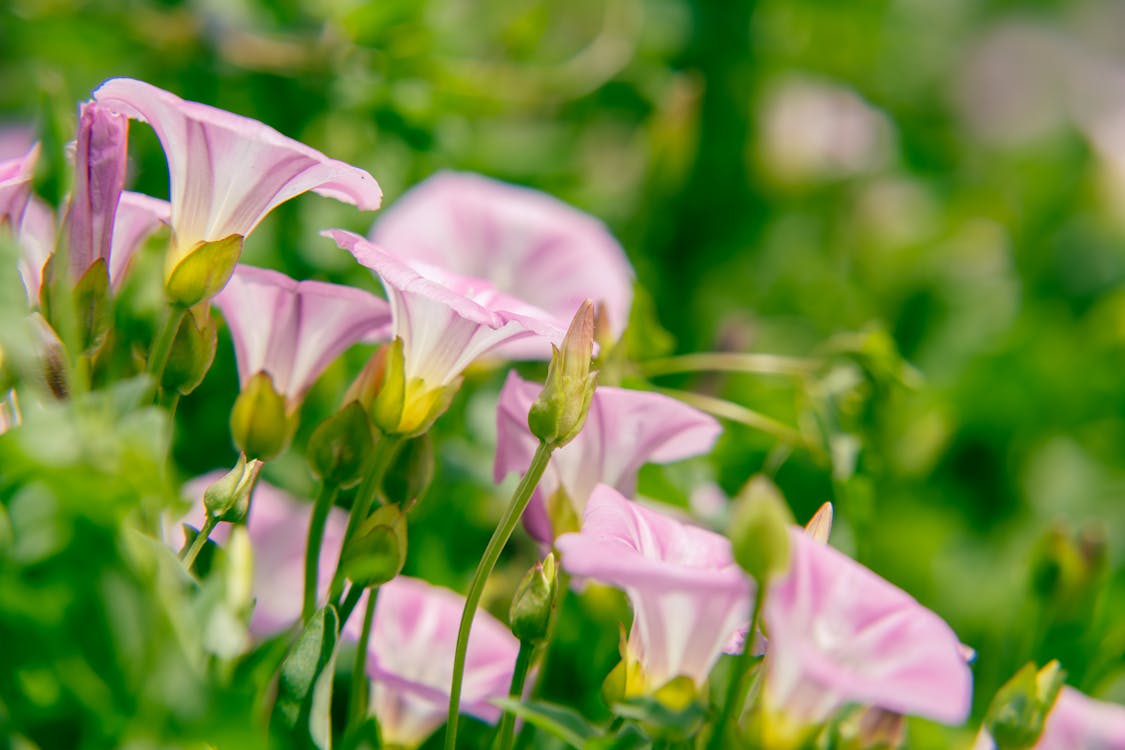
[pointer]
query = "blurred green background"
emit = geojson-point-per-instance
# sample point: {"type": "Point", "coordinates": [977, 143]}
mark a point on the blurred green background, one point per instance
{"type": "Point", "coordinates": [944, 175]}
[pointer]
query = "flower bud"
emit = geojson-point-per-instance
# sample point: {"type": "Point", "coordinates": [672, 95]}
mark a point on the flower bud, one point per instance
{"type": "Point", "coordinates": [1017, 714]}
{"type": "Point", "coordinates": [534, 603]}
{"type": "Point", "coordinates": [193, 351]}
{"type": "Point", "coordinates": [560, 411]}
{"type": "Point", "coordinates": [377, 552]}
{"type": "Point", "coordinates": [228, 498]}
{"type": "Point", "coordinates": [410, 475]}
{"type": "Point", "coordinates": [408, 408]}
{"type": "Point", "coordinates": [201, 272]}
{"type": "Point", "coordinates": [759, 530]}
{"type": "Point", "coordinates": [339, 446]}
{"type": "Point", "coordinates": [259, 423]}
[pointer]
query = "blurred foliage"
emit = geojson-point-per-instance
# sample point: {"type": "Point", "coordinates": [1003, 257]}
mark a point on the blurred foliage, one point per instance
{"type": "Point", "coordinates": [824, 179]}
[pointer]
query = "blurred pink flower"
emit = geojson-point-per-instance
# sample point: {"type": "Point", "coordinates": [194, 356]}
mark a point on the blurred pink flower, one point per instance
{"type": "Point", "coordinates": [410, 660]}
{"type": "Point", "coordinates": [688, 595]}
{"type": "Point", "coordinates": [527, 243]}
{"type": "Point", "coordinates": [15, 186]}
{"type": "Point", "coordinates": [99, 177]}
{"type": "Point", "coordinates": [624, 430]}
{"type": "Point", "coordinates": [36, 237]}
{"type": "Point", "coordinates": [839, 634]}
{"type": "Point", "coordinates": [227, 172]}
{"type": "Point", "coordinates": [1076, 722]}
{"type": "Point", "coordinates": [292, 330]}
{"type": "Point", "coordinates": [278, 524]}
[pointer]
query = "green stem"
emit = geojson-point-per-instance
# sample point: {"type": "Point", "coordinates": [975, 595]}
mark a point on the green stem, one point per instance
{"type": "Point", "coordinates": [736, 688]}
{"type": "Point", "coordinates": [201, 538]}
{"type": "Point", "coordinates": [324, 503]}
{"type": "Point", "coordinates": [737, 413]}
{"type": "Point", "coordinates": [348, 605]}
{"type": "Point", "coordinates": [492, 552]}
{"type": "Point", "coordinates": [162, 345]}
{"type": "Point", "coordinates": [762, 364]}
{"type": "Point", "coordinates": [357, 696]}
{"type": "Point", "coordinates": [506, 734]}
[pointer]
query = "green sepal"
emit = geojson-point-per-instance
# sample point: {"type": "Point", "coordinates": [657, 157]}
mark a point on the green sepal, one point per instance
{"type": "Point", "coordinates": [300, 717]}
{"type": "Point", "coordinates": [259, 422]}
{"type": "Point", "coordinates": [340, 446]}
{"type": "Point", "coordinates": [203, 271]}
{"type": "Point", "coordinates": [193, 351]}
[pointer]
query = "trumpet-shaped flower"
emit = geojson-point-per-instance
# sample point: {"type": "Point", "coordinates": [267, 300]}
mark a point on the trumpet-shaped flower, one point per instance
{"type": "Point", "coordinates": [292, 330]}
{"type": "Point", "coordinates": [227, 172]}
{"type": "Point", "coordinates": [15, 186]}
{"type": "Point", "coordinates": [444, 322]}
{"type": "Point", "coordinates": [839, 634]}
{"type": "Point", "coordinates": [278, 524]}
{"type": "Point", "coordinates": [410, 660]}
{"type": "Point", "coordinates": [689, 597]}
{"type": "Point", "coordinates": [525, 242]}
{"type": "Point", "coordinates": [624, 430]}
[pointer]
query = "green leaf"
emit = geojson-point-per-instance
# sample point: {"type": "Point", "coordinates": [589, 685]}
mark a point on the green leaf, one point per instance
{"type": "Point", "coordinates": [557, 721]}
{"type": "Point", "coordinates": [630, 737]}
{"type": "Point", "coordinates": [300, 714]}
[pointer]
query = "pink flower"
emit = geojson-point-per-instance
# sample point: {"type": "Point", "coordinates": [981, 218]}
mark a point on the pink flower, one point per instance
{"type": "Point", "coordinates": [840, 634]}
{"type": "Point", "coordinates": [624, 430]}
{"type": "Point", "coordinates": [227, 172]}
{"type": "Point", "coordinates": [15, 186]}
{"type": "Point", "coordinates": [137, 217]}
{"type": "Point", "coordinates": [1078, 721]}
{"type": "Point", "coordinates": [525, 242]}
{"type": "Point", "coordinates": [410, 660]}
{"type": "Point", "coordinates": [99, 160]}
{"type": "Point", "coordinates": [278, 525]}
{"type": "Point", "coordinates": [36, 238]}
{"type": "Point", "coordinates": [292, 330]}
{"type": "Point", "coordinates": [688, 595]}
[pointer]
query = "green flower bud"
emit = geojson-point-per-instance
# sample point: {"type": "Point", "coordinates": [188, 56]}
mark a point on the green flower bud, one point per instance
{"type": "Point", "coordinates": [408, 408]}
{"type": "Point", "coordinates": [759, 530]}
{"type": "Point", "coordinates": [534, 603]}
{"type": "Point", "coordinates": [377, 552]}
{"type": "Point", "coordinates": [193, 351]}
{"type": "Point", "coordinates": [339, 447]}
{"type": "Point", "coordinates": [201, 272]}
{"type": "Point", "coordinates": [259, 422]}
{"type": "Point", "coordinates": [1017, 714]}
{"type": "Point", "coordinates": [560, 411]}
{"type": "Point", "coordinates": [228, 498]}
{"type": "Point", "coordinates": [410, 475]}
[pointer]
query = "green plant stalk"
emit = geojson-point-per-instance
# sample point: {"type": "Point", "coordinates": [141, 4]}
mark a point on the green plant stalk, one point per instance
{"type": "Point", "coordinates": [357, 695]}
{"type": "Point", "coordinates": [201, 538]}
{"type": "Point", "coordinates": [506, 734]}
{"type": "Point", "coordinates": [496, 544]}
{"type": "Point", "coordinates": [162, 346]}
{"type": "Point", "coordinates": [760, 364]}
{"type": "Point", "coordinates": [348, 606]}
{"type": "Point", "coordinates": [324, 503]}
{"type": "Point", "coordinates": [736, 688]}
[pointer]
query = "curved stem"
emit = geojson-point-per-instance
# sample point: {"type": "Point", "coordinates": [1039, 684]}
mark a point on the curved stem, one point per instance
{"type": "Point", "coordinates": [761, 364]}
{"type": "Point", "coordinates": [162, 345]}
{"type": "Point", "coordinates": [492, 552]}
{"type": "Point", "coordinates": [724, 409]}
{"type": "Point", "coordinates": [357, 696]}
{"type": "Point", "coordinates": [201, 538]}
{"type": "Point", "coordinates": [324, 502]}
{"type": "Point", "coordinates": [348, 605]}
{"type": "Point", "coordinates": [736, 688]}
{"type": "Point", "coordinates": [505, 735]}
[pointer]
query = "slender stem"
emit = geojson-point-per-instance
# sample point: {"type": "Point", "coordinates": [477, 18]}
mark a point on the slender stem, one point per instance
{"type": "Point", "coordinates": [357, 697]}
{"type": "Point", "coordinates": [162, 345]}
{"type": "Point", "coordinates": [348, 605]}
{"type": "Point", "coordinates": [506, 734]}
{"type": "Point", "coordinates": [487, 562]}
{"type": "Point", "coordinates": [737, 413]}
{"type": "Point", "coordinates": [324, 502]}
{"type": "Point", "coordinates": [201, 538]}
{"type": "Point", "coordinates": [736, 688]}
{"type": "Point", "coordinates": [762, 364]}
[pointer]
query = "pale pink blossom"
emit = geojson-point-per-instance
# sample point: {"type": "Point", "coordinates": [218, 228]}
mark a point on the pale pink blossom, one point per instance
{"type": "Point", "coordinates": [292, 330]}
{"type": "Point", "coordinates": [410, 660]}
{"type": "Point", "coordinates": [137, 217]}
{"type": "Point", "coordinates": [527, 243]}
{"type": "Point", "coordinates": [15, 186]}
{"type": "Point", "coordinates": [624, 430]}
{"type": "Point", "coordinates": [840, 634]}
{"type": "Point", "coordinates": [227, 172]}
{"type": "Point", "coordinates": [689, 597]}
{"type": "Point", "coordinates": [36, 238]}
{"type": "Point", "coordinates": [278, 524]}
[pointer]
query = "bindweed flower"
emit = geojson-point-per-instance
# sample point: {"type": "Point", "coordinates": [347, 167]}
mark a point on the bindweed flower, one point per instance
{"type": "Point", "coordinates": [278, 524]}
{"type": "Point", "coordinates": [138, 216]}
{"type": "Point", "coordinates": [840, 634]}
{"type": "Point", "coordinates": [526, 243]}
{"type": "Point", "coordinates": [689, 597]}
{"type": "Point", "coordinates": [410, 660]}
{"type": "Point", "coordinates": [226, 172]}
{"type": "Point", "coordinates": [15, 186]}
{"type": "Point", "coordinates": [1078, 721]}
{"type": "Point", "coordinates": [441, 324]}
{"type": "Point", "coordinates": [99, 177]}
{"type": "Point", "coordinates": [624, 430]}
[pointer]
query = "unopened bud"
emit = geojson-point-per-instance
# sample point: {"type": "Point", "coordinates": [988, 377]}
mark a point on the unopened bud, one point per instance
{"type": "Point", "coordinates": [1016, 717]}
{"type": "Point", "coordinates": [339, 446]}
{"type": "Point", "coordinates": [377, 552]}
{"type": "Point", "coordinates": [819, 526]}
{"type": "Point", "coordinates": [228, 498]}
{"type": "Point", "coordinates": [201, 272]}
{"type": "Point", "coordinates": [759, 530]}
{"type": "Point", "coordinates": [408, 408]}
{"type": "Point", "coordinates": [534, 603]}
{"type": "Point", "coordinates": [410, 475]}
{"type": "Point", "coordinates": [193, 351]}
{"type": "Point", "coordinates": [259, 422]}
{"type": "Point", "coordinates": [559, 412]}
